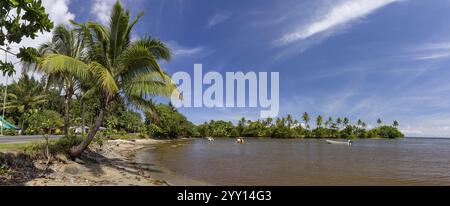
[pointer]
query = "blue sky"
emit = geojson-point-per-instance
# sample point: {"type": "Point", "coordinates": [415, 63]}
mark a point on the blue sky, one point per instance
{"type": "Point", "coordinates": [363, 59]}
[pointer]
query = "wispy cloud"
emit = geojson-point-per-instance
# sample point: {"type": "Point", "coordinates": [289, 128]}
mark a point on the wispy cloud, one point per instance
{"type": "Point", "coordinates": [439, 55]}
{"type": "Point", "coordinates": [101, 9]}
{"type": "Point", "coordinates": [179, 51]}
{"type": "Point", "coordinates": [428, 51]}
{"type": "Point", "coordinates": [341, 14]}
{"type": "Point", "coordinates": [217, 19]}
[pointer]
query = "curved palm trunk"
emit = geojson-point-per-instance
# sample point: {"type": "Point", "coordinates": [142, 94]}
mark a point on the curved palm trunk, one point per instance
{"type": "Point", "coordinates": [83, 117]}
{"type": "Point", "coordinates": [66, 116]}
{"type": "Point", "coordinates": [77, 150]}
{"type": "Point", "coordinates": [67, 98]}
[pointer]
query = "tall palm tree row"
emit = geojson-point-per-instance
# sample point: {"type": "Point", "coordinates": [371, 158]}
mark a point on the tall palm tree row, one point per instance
{"type": "Point", "coordinates": [116, 67]}
{"type": "Point", "coordinates": [70, 44]}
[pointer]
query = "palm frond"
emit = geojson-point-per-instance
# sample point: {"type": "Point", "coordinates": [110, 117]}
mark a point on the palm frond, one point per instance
{"type": "Point", "coordinates": [135, 61]}
{"type": "Point", "coordinates": [105, 78]}
{"type": "Point", "coordinates": [158, 49]}
{"type": "Point", "coordinates": [130, 27]}
{"type": "Point", "coordinates": [151, 84]}
{"type": "Point", "coordinates": [145, 104]}
{"type": "Point", "coordinates": [118, 31]}
{"type": "Point", "coordinates": [57, 63]}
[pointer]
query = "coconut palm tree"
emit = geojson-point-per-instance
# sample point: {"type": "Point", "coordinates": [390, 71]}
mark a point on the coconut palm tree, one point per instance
{"type": "Point", "coordinates": [118, 67]}
{"type": "Point", "coordinates": [24, 95]}
{"type": "Point", "coordinates": [289, 120]}
{"type": "Point", "coordinates": [379, 122]}
{"type": "Point", "coordinates": [339, 122]}
{"type": "Point", "coordinates": [359, 123]}
{"type": "Point", "coordinates": [346, 121]}
{"type": "Point", "coordinates": [319, 121]}
{"type": "Point", "coordinates": [305, 117]}
{"type": "Point", "coordinates": [395, 124]}
{"type": "Point", "coordinates": [329, 122]}
{"type": "Point", "coordinates": [70, 44]}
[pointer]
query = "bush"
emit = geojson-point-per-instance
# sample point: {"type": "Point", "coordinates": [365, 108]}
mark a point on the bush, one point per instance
{"type": "Point", "coordinates": [10, 132]}
{"type": "Point", "coordinates": [169, 124]}
{"type": "Point", "coordinates": [43, 122]}
{"type": "Point", "coordinates": [388, 132]}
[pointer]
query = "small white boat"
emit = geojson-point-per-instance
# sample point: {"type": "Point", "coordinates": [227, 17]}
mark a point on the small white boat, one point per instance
{"type": "Point", "coordinates": [349, 142]}
{"type": "Point", "coordinates": [210, 139]}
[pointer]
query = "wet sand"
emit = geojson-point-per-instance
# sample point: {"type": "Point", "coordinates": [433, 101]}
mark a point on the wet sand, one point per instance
{"type": "Point", "coordinates": [158, 171]}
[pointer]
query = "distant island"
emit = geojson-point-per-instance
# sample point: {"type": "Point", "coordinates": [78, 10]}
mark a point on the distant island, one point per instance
{"type": "Point", "coordinates": [173, 124]}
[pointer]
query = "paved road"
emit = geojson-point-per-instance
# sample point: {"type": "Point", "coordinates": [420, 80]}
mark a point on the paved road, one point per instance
{"type": "Point", "coordinates": [24, 138]}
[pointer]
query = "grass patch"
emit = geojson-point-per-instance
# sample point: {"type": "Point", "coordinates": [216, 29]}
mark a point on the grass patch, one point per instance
{"type": "Point", "coordinates": [15, 146]}
{"type": "Point", "coordinates": [58, 146]}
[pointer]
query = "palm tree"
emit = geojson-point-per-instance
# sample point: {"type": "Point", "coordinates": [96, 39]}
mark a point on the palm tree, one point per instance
{"type": "Point", "coordinates": [364, 125]}
{"type": "Point", "coordinates": [70, 44]}
{"type": "Point", "coordinates": [339, 122]}
{"type": "Point", "coordinates": [319, 121]}
{"type": "Point", "coordinates": [359, 123]}
{"type": "Point", "coordinates": [346, 121]}
{"type": "Point", "coordinates": [379, 122]}
{"type": "Point", "coordinates": [395, 124]}
{"type": "Point", "coordinates": [24, 95]}
{"type": "Point", "coordinates": [118, 67]}
{"type": "Point", "coordinates": [305, 117]}
{"type": "Point", "coordinates": [289, 120]}
{"type": "Point", "coordinates": [329, 122]}
{"type": "Point", "coordinates": [268, 121]}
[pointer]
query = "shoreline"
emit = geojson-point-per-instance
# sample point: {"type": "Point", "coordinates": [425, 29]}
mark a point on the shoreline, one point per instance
{"type": "Point", "coordinates": [113, 163]}
{"type": "Point", "coordinates": [156, 169]}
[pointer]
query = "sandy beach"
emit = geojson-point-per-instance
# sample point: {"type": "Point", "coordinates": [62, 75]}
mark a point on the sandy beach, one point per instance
{"type": "Point", "coordinates": [112, 163]}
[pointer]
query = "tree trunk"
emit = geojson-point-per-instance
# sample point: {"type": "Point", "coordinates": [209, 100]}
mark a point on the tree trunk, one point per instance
{"type": "Point", "coordinates": [77, 150]}
{"type": "Point", "coordinates": [47, 151]}
{"type": "Point", "coordinates": [66, 114]}
{"type": "Point", "coordinates": [83, 117]}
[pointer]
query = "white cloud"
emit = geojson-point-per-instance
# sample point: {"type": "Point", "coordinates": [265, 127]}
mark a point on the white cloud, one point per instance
{"type": "Point", "coordinates": [101, 9]}
{"type": "Point", "coordinates": [440, 55]}
{"type": "Point", "coordinates": [188, 51]}
{"type": "Point", "coordinates": [59, 13]}
{"type": "Point", "coordinates": [428, 51]}
{"type": "Point", "coordinates": [338, 15]}
{"type": "Point", "coordinates": [179, 51]}
{"type": "Point", "coordinates": [217, 19]}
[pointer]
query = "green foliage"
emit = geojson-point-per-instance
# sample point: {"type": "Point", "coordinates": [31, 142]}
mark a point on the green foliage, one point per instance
{"type": "Point", "coordinates": [59, 146]}
{"type": "Point", "coordinates": [169, 124]}
{"type": "Point", "coordinates": [43, 122]}
{"type": "Point", "coordinates": [10, 132]}
{"type": "Point", "coordinates": [21, 18]}
{"type": "Point", "coordinates": [388, 132]}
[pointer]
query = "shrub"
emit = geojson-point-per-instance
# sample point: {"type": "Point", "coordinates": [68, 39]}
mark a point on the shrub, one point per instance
{"type": "Point", "coordinates": [10, 132]}
{"type": "Point", "coordinates": [388, 132]}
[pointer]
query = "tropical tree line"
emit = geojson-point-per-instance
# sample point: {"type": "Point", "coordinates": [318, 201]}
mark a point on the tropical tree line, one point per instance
{"type": "Point", "coordinates": [99, 65]}
{"type": "Point", "coordinates": [288, 127]}
{"type": "Point", "coordinates": [29, 103]}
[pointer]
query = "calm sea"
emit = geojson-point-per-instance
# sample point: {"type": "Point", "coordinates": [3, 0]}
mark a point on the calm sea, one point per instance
{"type": "Point", "coordinates": [410, 161]}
